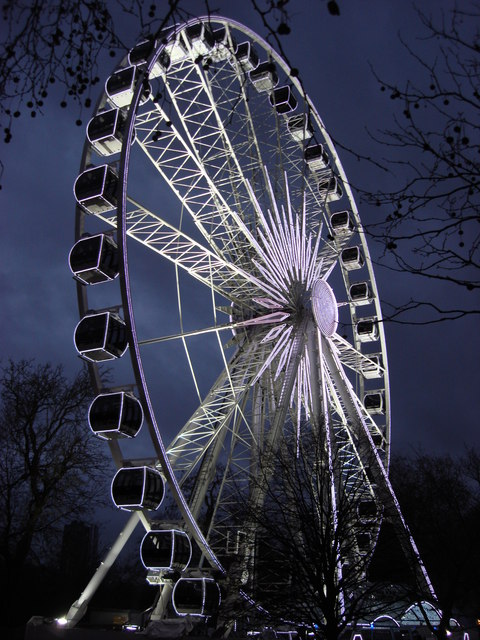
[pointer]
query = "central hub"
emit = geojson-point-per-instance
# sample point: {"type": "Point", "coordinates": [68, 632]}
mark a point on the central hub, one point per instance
{"type": "Point", "coordinates": [324, 305]}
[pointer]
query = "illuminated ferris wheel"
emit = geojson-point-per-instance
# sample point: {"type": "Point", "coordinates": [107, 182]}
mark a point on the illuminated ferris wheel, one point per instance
{"type": "Point", "coordinates": [245, 311]}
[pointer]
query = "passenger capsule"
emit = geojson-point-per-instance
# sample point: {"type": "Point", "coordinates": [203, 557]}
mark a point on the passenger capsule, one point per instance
{"type": "Point", "coordinates": [364, 543]}
{"type": "Point", "coordinates": [101, 336]}
{"type": "Point", "coordinates": [120, 87]}
{"type": "Point", "coordinates": [360, 293]}
{"type": "Point", "coordinates": [141, 53]}
{"type": "Point", "coordinates": [367, 510]}
{"type": "Point", "coordinates": [374, 402]}
{"type": "Point", "coordinates": [246, 56]}
{"type": "Point", "coordinates": [136, 488]}
{"type": "Point", "coordinates": [166, 550]}
{"type": "Point", "coordinates": [316, 158]}
{"type": "Point", "coordinates": [300, 127]}
{"type": "Point", "coordinates": [283, 100]}
{"type": "Point", "coordinates": [222, 50]}
{"type": "Point", "coordinates": [264, 77]}
{"type": "Point", "coordinates": [200, 38]}
{"type": "Point", "coordinates": [106, 131]}
{"type": "Point", "coordinates": [115, 415]}
{"type": "Point", "coordinates": [330, 188]}
{"type": "Point", "coordinates": [176, 49]}
{"type": "Point", "coordinates": [196, 597]}
{"type": "Point", "coordinates": [96, 189]}
{"type": "Point", "coordinates": [378, 440]}
{"type": "Point", "coordinates": [94, 259]}
{"type": "Point", "coordinates": [372, 368]}
{"type": "Point", "coordinates": [342, 223]}
{"type": "Point", "coordinates": [352, 258]}
{"type": "Point", "coordinates": [367, 329]}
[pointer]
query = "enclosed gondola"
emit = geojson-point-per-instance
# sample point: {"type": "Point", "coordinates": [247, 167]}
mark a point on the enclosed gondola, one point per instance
{"type": "Point", "coordinates": [342, 223]}
{"type": "Point", "coordinates": [352, 258]}
{"type": "Point", "coordinates": [176, 49]}
{"type": "Point", "coordinates": [367, 510]}
{"type": "Point", "coordinates": [223, 49]}
{"type": "Point", "coordinates": [330, 188]}
{"type": "Point", "coordinates": [367, 330]}
{"type": "Point", "coordinates": [96, 189]}
{"type": "Point", "coordinates": [120, 87]}
{"type": "Point", "coordinates": [115, 415]}
{"type": "Point", "coordinates": [94, 259]}
{"type": "Point", "coordinates": [140, 54]}
{"type": "Point", "coordinates": [264, 77]}
{"type": "Point", "coordinates": [360, 293]}
{"type": "Point", "coordinates": [135, 488]}
{"type": "Point", "coordinates": [283, 100]}
{"type": "Point", "coordinates": [101, 336]}
{"type": "Point", "coordinates": [372, 368]}
{"type": "Point", "coordinates": [364, 543]}
{"type": "Point", "coordinates": [374, 402]}
{"type": "Point", "coordinates": [166, 550]}
{"type": "Point", "coordinates": [246, 56]}
{"type": "Point", "coordinates": [106, 130]}
{"type": "Point", "coordinates": [200, 38]}
{"type": "Point", "coordinates": [196, 597]}
{"type": "Point", "coordinates": [316, 158]}
{"type": "Point", "coordinates": [300, 127]}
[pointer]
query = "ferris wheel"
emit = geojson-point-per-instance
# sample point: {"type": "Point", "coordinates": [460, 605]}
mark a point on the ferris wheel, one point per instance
{"type": "Point", "coordinates": [245, 310]}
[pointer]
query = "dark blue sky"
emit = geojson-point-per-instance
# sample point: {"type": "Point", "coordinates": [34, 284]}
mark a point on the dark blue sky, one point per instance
{"type": "Point", "coordinates": [433, 369]}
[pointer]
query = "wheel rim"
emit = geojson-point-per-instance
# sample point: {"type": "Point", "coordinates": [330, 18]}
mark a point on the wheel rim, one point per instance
{"type": "Point", "coordinates": [256, 233]}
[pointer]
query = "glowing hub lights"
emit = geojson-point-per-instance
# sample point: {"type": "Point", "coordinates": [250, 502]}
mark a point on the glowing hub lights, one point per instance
{"type": "Point", "coordinates": [325, 310]}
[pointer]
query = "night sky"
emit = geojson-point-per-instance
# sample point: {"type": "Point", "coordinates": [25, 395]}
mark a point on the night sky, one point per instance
{"type": "Point", "coordinates": [433, 369]}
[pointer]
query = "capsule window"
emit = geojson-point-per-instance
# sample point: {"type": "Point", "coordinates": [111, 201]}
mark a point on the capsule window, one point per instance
{"type": "Point", "coordinates": [101, 336]}
{"type": "Point", "coordinates": [352, 258]}
{"type": "Point", "coordinates": [120, 87]}
{"type": "Point", "coordinates": [367, 510]}
{"type": "Point", "coordinates": [246, 56]}
{"type": "Point", "coordinates": [367, 330]}
{"type": "Point", "coordinates": [141, 53]}
{"type": "Point", "coordinates": [196, 597]}
{"type": "Point", "coordinates": [283, 100]}
{"type": "Point", "coordinates": [176, 49]}
{"type": "Point", "coordinates": [115, 415]}
{"type": "Point", "coordinates": [94, 259]}
{"type": "Point", "coordinates": [316, 158]}
{"type": "Point", "coordinates": [138, 488]}
{"type": "Point", "coordinates": [166, 550]}
{"type": "Point", "coordinates": [360, 293]}
{"type": "Point", "coordinates": [200, 37]}
{"type": "Point", "coordinates": [222, 47]}
{"type": "Point", "coordinates": [363, 542]}
{"type": "Point", "coordinates": [330, 188]}
{"type": "Point", "coordinates": [374, 403]}
{"type": "Point", "coordinates": [300, 127]}
{"type": "Point", "coordinates": [372, 368]}
{"type": "Point", "coordinates": [342, 223]}
{"type": "Point", "coordinates": [264, 77]}
{"type": "Point", "coordinates": [96, 189]}
{"type": "Point", "coordinates": [378, 440]}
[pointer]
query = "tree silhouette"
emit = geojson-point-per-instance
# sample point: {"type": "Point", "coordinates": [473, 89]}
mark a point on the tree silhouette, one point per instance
{"type": "Point", "coordinates": [431, 228]}
{"type": "Point", "coordinates": [51, 470]}
{"type": "Point", "coordinates": [307, 546]}
{"type": "Point", "coordinates": [440, 499]}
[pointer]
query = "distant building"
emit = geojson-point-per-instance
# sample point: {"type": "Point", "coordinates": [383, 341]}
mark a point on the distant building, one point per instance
{"type": "Point", "coordinates": [79, 553]}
